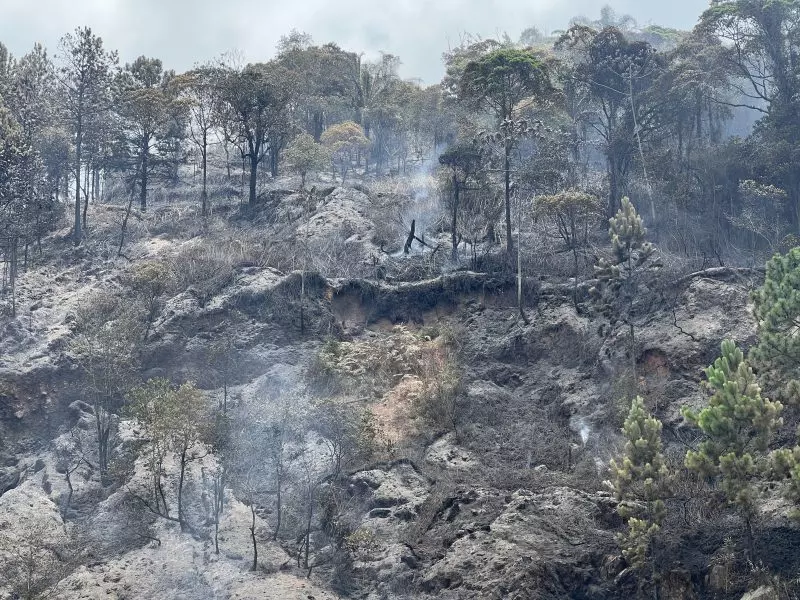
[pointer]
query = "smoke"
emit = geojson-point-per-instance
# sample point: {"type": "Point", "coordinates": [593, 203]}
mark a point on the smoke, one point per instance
{"type": "Point", "coordinates": [582, 427]}
{"type": "Point", "coordinates": [425, 207]}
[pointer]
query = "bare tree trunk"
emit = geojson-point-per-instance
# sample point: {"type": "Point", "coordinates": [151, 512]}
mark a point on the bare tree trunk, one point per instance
{"type": "Point", "coordinates": [68, 501]}
{"type": "Point", "coordinates": [253, 178]}
{"type": "Point", "coordinates": [125, 224]}
{"type": "Point", "coordinates": [160, 489]}
{"type": "Point", "coordinates": [181, 519]}
{"type": "Point", "coordinates": [274, 157]}
{"type": "Point", "coordinates": [278, 503]}
{"type": "Point", "coordinates": [318, 124]}
{"type": "Point", "coordinates": [143, 190]}
{"type": "Point", "coordinates": [613, 185]}
{"type": "Point", "coordinates": [219, 497]}
{"type": "Point", "coordinates": [519, 267]}
{"type": "Point", "coordinates": [96, 196]}
{"type": "Point", "coordinates": [507, 168]}
{"type": "Point", "coordinates": [253, 536]}
{"type": "Point", "coordinates": [13, 277]}
{"type": "Point", "coordinates": [86, 184]}
{"type": "Point", "coordinates": [76, 232]}
{"type": "Point", "coordinates": [309, 518]}
{"type": "Point", "coordinates": [103, 425]}
{"type": "Point", "coordinates": [204, 196]}
{"type": "Point", "coordinates": [227, 160]}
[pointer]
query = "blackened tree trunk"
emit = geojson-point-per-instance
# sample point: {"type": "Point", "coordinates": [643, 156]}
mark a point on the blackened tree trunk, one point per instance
{"type": "Point", "coordinates": [613, 186]}
{"type": "Point", "coordinates": [86, 184]}
{"type": "Point", "coordinates": [318, 119]}
{"type": "Point", "coordinates": [184, 460]}
{"type": "Point", "coordinates": [274, 158]}
{"type": "Point", "coordinates": [253, 536]}
{"type": "Point", "coordinates": [125, 224]}
{"type": "Point", "coordinates": [253, 177]}
{"type": "Point", "coordinates": [143, 190]}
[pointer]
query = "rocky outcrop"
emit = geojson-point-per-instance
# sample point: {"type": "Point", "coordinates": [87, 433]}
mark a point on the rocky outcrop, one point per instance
{"type": "Point", "coordinates": [547, 544]}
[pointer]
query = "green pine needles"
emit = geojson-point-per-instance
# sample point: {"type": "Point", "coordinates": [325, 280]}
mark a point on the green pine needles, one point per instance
{"type": "Point", "coordinates": [777, 313]}
{"type": "Point", "coordinates": [738, 424]}
{"type": "Point", "coordinates": [640, 481]}
{"type": "Point", "coordinates": [618, 287]}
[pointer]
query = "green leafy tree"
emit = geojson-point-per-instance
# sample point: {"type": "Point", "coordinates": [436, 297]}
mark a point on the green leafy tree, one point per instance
{"type": "Point", "coordinates": [175, 420]}
{"type": "Point", "coordinates": [761, 37]}
{"type": "Point", "coordinates": [255, 102]}
{"type": "Point", "coordinates": [395, 123]}
{"type": "Point", "coordinates": [615, 75]}
{"type": "Point", "coordinates": [55, 149]}
{"type": "Point", "coordinates": [31, 93]}
{"type": "Point", "coordinates": [640, 482]}
{"type": "Point", "coordinates": [305, 156]}
{"type": "Point", "coordinates": [149, 405]}
{"type": "Point", "coordinates": [26, 211]}
{"type": "Point", "coordinates": [738, 424]}
{"type": "Point", "coordinates": [620, 277]}
{"type": "Point", "coordinates": [30, 99]}
{"type": "Point", "coordinates": [327, 80]}
{"type": "Point", "coordinates": [761, 40]}
{"type": "Point", "coordinates": [500, 81]}
{"type": "Point", "coordinates": [571, 212]}
{"type": "Point", "coordinates": [345, 142]}
{"type": "Point", "coordinates": [150, 115]}
{"type": "Point", "coordinates": [106, 349]}
{"type": "Point", "coordinates": [149, 282]}
{"type": "Point", "coordinates": [190, 427]}
{"type": "Point", "coordinates": [376, 84]}
{"type": "Point", "coordinates": [777, 313]}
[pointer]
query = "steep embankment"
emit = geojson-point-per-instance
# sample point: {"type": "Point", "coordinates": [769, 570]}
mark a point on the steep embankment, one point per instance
{"type": "Point", "coordinates": [495, 434]}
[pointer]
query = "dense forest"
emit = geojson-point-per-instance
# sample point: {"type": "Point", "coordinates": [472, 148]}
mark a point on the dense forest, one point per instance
{"type": "Point", "coordinates": [218, 286]}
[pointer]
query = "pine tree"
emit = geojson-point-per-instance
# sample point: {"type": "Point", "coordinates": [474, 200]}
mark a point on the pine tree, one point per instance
{"type": "Point", "coordinates": [619, 278]}
{"type": "Point", "coordinates": [785, 465]}
{"type": "Point", "coordinates": [640, 481]}
{"type": "Point", "coordinates": [738, 424]}
{"type": "Point", "coordinates": [777, 312]}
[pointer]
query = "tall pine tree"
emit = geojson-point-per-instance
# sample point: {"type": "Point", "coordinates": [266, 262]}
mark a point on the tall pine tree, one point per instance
{"type": "Point", "coordinates": [619, 277]}
{"type": "Point", "coordinates": [777, 313]}
{"type": "Point", "coordinates": [738, 424]}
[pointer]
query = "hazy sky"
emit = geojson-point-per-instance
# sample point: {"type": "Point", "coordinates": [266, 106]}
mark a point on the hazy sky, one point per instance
{"type": "Point", "coordinates": [182, 32]}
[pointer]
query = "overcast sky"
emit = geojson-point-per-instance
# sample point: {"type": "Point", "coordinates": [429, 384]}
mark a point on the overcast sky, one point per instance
{"type": "Point", "coordinates": [183, 32]}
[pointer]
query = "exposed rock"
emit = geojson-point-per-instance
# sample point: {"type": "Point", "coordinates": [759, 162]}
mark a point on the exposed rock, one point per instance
{"type": "Point", "coordinates": [9, 479]}
{"type": "Point", "coordinates": [398, 486]}
{"type": "Point", "coordinates": [543, 542]}
{"type": "Point", "coordinates": [762, 593]}
{"type": "Point", "coordinates": [677, 585]}
{"type": "Point", "coordinates": [445, 453]}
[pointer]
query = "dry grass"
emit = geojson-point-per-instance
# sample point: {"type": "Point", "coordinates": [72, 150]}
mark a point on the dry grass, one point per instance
{"type": "Point", "coordinates": [411, 375]}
